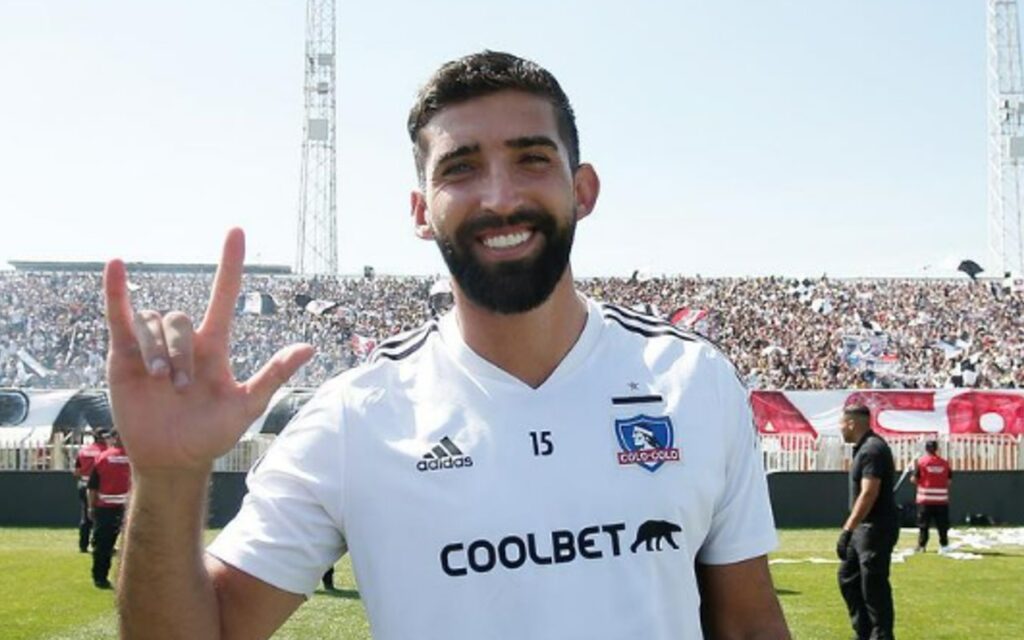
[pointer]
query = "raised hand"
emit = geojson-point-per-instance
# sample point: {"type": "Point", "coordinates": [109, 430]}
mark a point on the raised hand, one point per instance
{"type": "Point", "coordinates": [174, 398]}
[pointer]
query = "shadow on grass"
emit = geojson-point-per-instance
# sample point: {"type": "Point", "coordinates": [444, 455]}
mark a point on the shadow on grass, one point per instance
{"type": "Point", "coordinates": [786, 592]}
{"type": "Point", "coordinates": [347, 594]}
{"type": "Point", "coordinates": [995, 554]}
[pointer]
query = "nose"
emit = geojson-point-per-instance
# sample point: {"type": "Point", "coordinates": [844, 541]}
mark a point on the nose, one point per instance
{"type": "Point", "coordinates": [500, 192]}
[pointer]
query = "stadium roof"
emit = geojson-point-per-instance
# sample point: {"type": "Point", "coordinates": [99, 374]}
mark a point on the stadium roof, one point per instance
{"type": "Point", "coordinates": [152, 267]}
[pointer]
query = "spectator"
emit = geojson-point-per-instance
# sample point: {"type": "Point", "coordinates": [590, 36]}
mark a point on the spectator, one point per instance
{"type": "Point", "coordinates": [782, 333]}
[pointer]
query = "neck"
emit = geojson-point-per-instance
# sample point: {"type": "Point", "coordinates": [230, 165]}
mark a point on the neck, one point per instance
{"type": "Point", "coordinates": [526, 345]}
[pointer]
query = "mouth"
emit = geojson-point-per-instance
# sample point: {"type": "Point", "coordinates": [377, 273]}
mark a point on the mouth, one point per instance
{"type": "Point", "coordinates": [508, 242]}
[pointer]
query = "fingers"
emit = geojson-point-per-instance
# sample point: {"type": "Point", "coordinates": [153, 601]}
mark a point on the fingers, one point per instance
{"type": "Point", "coordinates": [226, 285]}
{"type": "Point", "coordinates": [262, 385]}
{"type": "Point", "coordinates": [177, 330]}
{"type": "Point", "coordinates": [149, 332]}
{"type": "Point", "coordinates": [119, 308]}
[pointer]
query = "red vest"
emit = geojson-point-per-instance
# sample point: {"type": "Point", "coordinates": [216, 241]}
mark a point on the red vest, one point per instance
{"type": "Point", "coordinates": [115, 478]}
{"type": "Point", "coordinates": [87, 457]}
{"type": "Point", "coordinates": [932, 473]}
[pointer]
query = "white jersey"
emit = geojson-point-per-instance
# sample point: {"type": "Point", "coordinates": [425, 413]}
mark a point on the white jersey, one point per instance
{"type": "Point", "coordinates": [474, 506]}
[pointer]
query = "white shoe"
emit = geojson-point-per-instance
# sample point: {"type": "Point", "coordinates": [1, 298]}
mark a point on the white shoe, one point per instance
{"type": "Point", "coordinates": [918, 550]}
{"type": "Point", "coordinates": [944, 550]}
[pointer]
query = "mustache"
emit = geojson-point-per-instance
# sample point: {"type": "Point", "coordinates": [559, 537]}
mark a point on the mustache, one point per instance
{"type": "Point", "coordinates": [539, 219]}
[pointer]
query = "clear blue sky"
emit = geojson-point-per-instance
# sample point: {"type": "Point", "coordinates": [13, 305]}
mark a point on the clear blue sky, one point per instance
{"type": "Point", "coordinates": [751, 137]}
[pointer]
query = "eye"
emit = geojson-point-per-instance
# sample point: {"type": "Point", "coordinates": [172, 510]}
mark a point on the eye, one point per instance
{"type": "Point", "coordinates": [456, 168]}
{"type": "Point", "coordinates": [534, 159]}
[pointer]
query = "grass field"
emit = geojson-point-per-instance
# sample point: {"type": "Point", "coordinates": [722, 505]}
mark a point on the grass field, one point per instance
{"type": "Point", "coordinates": [46, 593]}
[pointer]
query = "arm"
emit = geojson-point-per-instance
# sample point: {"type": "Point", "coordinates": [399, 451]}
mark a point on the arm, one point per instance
{"type": "Point", "coordinates": [92, 492]}
{"type": "Point", "coordinates": [738, 601]}
{"type": "Point", "coordinates": [178, 407]}
{"type": "Point", "coordinates": [172, 587]}
{"type": "Point", "coordinates": [869, 487]}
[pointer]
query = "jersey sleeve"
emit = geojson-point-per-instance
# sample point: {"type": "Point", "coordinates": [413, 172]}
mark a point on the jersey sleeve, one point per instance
{"type": "Point", "coordinates": [290, 527]}
{"type": "Point", "coordinates": [742, 525]}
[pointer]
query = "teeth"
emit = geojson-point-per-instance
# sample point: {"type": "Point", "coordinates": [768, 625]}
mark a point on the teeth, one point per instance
{"type": "Point", "coordinates": [510, 240]}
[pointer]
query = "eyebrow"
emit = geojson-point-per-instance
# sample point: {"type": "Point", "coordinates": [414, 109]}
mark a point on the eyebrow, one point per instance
{"type": "Point", "coordinates": [523, 142]}
{"type": "Point", "coordinates": [458, 152]}
{"type": "Point", "coordinates": [531, 141]}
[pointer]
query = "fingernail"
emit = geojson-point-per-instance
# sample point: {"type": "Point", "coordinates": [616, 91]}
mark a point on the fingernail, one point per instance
{"type": "Point", "coordinates": [180, 379]}
{"type": "Point", "coordinates": [158, 366]}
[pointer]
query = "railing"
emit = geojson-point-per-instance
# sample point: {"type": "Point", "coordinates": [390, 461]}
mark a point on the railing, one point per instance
{"type": "Point", "coordinates": [46, 456]}
{"type": "Point", "coordinates": [782, 452]}
{"type": "Point", "coordinates": [974, 452]}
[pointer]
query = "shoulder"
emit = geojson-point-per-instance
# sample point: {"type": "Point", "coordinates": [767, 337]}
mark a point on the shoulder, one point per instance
{"type": "Point", "coordinates": [876, 447]}
{"type": "Point", "coordinates": [395, 359]}
{"type": "Point", "coordinates": [404, 345]}
{"type": "Point", "coordinates": [643, 324]}
{"type": "Point", "coordinates": [668, 350]}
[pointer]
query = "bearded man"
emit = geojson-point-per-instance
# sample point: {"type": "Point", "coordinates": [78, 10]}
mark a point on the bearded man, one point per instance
{"type": "Point", "coordinates": [481, 471]}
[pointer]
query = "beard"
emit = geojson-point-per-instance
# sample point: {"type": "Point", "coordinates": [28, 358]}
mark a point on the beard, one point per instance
{"type": "Point", "coordinates": [514, 286]}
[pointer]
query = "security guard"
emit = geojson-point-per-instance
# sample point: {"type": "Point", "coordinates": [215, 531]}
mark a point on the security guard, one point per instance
{"type": "Point", "coordinates": [84, 462]}
{"type": "Point", "coordinates": [932, 475]}
{"type": "Point", "coordinates": [109, 484]}
{"type": "Point", "coordinates": [870, 532]}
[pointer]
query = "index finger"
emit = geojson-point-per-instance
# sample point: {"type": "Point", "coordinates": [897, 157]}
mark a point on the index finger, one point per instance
{"type": "Point", "coordinates": [226, 285]}
{"type": "Point", "coordinates": [119, 307]}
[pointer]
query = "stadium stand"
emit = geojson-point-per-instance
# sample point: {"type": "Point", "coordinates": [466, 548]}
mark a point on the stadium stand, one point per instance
{"type": "Point", "coordinates": [782, 333]}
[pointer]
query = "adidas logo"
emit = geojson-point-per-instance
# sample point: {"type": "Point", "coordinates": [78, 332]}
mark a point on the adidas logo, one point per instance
{"type": "Point", "coordinates": [445, 455]}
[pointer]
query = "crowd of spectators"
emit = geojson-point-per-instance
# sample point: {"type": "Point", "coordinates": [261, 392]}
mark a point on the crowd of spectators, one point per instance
{"type": "Point", "coordinates": [781, 333]}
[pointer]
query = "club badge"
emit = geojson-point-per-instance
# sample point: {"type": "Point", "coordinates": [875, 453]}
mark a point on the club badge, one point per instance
{"type": "Point", "coordinates": [646, 441]}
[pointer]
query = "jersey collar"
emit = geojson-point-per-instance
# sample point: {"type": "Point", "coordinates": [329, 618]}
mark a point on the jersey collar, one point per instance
{"type": "Point", "coordinates": [484, 371]}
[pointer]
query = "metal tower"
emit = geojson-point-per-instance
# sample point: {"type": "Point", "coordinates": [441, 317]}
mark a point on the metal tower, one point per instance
{"type": "Point", "coordinates": [317, 248]}
{"type": "Point", "coordinates": [1005, 138]}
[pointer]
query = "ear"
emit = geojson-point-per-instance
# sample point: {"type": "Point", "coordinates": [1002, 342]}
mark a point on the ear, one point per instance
{"type": "Point", "coordinates": [418, 206]}
{"type": "Point", "coordinates": [586, 187]}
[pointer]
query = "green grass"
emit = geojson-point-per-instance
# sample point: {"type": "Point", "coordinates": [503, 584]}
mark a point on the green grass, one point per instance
{"type": "Point", "coordinates": [46, 593]}
{"type": "Point", "coordinates": [936, 598]}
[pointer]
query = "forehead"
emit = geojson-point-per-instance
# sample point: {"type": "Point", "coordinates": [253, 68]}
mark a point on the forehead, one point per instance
{"type": "Point", "coordinates": [490, 120]}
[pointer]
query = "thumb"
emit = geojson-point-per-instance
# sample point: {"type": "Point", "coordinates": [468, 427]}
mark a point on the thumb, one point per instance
{"type": "Point", "coordinates": [261, 386]}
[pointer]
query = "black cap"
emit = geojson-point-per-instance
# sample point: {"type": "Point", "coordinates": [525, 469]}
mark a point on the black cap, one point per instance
{"type": "Point", "coordinates": [931, 446]}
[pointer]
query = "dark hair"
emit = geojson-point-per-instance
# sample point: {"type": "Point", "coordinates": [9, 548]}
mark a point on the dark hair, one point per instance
{"type": "Point", "coordinates": [484, 73]}
{"type": "Point", "coordinates": [931, 446]}
{"type": "Point", "coordinates": [860, 411]}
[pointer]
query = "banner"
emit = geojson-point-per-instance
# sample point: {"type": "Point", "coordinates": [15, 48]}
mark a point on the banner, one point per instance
{"type": "Point", "coordinates": [261, 304]}
{"type": "Point", "coordinates": [687, 317]}
{"type": "Point", "coordinates": [893, 413]}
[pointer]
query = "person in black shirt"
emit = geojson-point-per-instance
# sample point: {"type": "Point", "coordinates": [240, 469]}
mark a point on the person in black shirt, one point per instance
{"type": "Point", "coordinates": [870, 532]}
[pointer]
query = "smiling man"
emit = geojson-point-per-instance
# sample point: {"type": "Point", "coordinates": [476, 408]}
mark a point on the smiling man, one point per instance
{"type": "Point", "coordinates": [531, 465]}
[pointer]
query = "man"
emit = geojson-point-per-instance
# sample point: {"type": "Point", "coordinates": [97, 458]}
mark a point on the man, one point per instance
{"type": "Point", "coordinates": [84, 462]}
{"type": "Point", "coordinates": [932, 475]}
{"type": "Point", "coordinates": [481, 470]}
{"type": "Point", "coordinates": [870, 532]}
{"type": "Point", "coordinates": [109, 484]}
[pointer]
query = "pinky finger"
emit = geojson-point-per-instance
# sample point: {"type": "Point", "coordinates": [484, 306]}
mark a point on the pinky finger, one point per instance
{"type": "Point", "coordinates": [261, 386]}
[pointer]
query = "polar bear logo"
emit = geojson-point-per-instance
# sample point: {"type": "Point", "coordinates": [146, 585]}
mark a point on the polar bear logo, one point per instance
{"type": "Point", "coordinates": [653, 532]}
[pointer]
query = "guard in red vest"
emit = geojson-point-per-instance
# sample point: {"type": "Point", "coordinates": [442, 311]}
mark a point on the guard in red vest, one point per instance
{"type": "Point", "coordinates": [109, 485]}
{"type": "Point", "coordinates": [932, 475]}
{"type": "Point", "coordinates": [84, 462]}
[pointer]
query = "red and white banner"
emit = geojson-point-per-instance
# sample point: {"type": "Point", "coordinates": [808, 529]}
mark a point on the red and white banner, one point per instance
{"type": "Point", "coordinates": [687, 316]}
{"type": "Point", "coordinates": [893, 413]}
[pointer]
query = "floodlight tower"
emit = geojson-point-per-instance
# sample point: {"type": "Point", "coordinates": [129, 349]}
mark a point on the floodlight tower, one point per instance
{"type": "Point", "coordinates": [1005, 137]}
{"type": "Point", "coordinates": [317, 248]}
